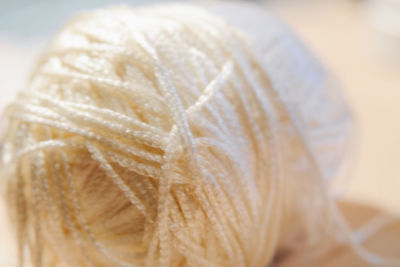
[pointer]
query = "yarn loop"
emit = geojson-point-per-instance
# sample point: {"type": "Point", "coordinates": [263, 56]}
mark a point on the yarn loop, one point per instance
{"type": "Point", "coordinates": [172, 136]}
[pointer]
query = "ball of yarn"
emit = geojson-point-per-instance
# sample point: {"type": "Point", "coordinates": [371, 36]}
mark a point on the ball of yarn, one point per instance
{"type": "Point", "coordinates": [172, 135]}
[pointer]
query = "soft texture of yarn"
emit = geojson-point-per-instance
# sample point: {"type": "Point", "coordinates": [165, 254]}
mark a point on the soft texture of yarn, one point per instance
{"type": "Point", "coordinates": [173, 135]}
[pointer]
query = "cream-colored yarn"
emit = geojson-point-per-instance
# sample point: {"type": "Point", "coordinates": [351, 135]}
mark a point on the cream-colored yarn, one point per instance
{"type": "Point", "coordinates": [172, 136]}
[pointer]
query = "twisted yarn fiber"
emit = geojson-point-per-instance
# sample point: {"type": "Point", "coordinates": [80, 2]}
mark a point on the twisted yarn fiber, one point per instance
{"type": "Point", "coordinates": [164, 136]}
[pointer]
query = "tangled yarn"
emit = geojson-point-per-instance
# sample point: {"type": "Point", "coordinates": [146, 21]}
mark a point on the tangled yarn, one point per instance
{"type": "Point", "coordinates": [172, 136]}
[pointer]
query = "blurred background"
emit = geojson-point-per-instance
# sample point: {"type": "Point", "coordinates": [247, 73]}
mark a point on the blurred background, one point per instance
{"type": "Point", "coordinates": [357, 40]}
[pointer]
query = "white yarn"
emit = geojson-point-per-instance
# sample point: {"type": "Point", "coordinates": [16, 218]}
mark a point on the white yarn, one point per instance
{"type": "Point", "coordinates": [168, 136]}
